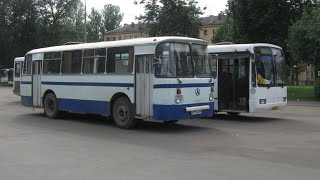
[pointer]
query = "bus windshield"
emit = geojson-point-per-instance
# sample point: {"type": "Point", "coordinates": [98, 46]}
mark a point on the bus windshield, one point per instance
{"type": "Point", "coordinates": [201, 61]}
{"type": "Point", "coordinates": [269, 65]}
{"type": "Point", "coordinates": [176, 60]}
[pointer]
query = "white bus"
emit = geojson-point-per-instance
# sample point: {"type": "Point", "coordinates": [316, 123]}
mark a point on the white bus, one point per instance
{"type": "Point", "coordinates": [18, 63]}
{"type": "Point", "coordinates": [249, 78]}
{"type": "Point", "coordinates": [162, 79]}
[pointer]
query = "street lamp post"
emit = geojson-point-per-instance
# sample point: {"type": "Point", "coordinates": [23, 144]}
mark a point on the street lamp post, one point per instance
{"type": "Point", "coordinates": [296, 71]}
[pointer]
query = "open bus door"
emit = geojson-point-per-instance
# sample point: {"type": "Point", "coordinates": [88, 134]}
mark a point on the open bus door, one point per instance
{"type": "Point", "coordinates": [233, 82]}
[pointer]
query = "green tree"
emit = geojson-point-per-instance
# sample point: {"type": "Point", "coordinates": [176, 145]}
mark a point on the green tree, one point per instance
{"type": "Point", "coordinates": [171, 17]}
{"type": "Point", "coordinates": [304, 38]}
{"type": "Point", "coordinates": [112, 17]}
{"type": "Point", "coordinates": [225, 32]}
{"type": "Point", "coordinates": [95, 26]}
{"type": "Point", "coordinates": [56, 21]}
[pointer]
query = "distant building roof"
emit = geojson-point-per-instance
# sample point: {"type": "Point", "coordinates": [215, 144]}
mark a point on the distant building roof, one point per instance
{"type": "Point", "coordinates": [213, 20]}
{"type": "Point", "coordinates": [127, 28]}
{"type": "Point", "coordinates": [205, 21]}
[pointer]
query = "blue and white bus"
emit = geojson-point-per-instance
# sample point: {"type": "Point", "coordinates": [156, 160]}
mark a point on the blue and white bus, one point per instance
{"type": "Point", "coordinates": [249, 78]}
{"type": "Point", "coordinates": [163, 79]}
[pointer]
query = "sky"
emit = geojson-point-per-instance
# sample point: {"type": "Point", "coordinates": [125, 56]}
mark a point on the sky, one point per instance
{"type": "Point", "coordinates": [130, 10]}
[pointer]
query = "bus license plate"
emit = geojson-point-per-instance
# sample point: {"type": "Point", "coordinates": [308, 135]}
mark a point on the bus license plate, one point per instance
{"type": "Point", "coordinates": [275, 108]}
{"type": "Point", "coordinates": [196, 113]}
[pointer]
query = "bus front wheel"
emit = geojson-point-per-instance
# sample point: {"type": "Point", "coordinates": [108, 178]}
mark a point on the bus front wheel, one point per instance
{"type": "Point", "coordinates": [122, 113]}
{"type": "Point", "coordinates": [50, 105]}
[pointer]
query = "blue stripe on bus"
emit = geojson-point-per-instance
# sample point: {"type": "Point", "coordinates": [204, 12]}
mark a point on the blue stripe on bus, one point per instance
{"type": "Point", "coordinates": [178, 112]}
{"type": "Point", "coordinates": [88, 84]}
{"type": "Point", "coordinates": [163, 86]}
{"type": "Point", "coordinates": [26, 82]}
{"type": "Point", "coordinates": [84, 106]}
{"type": "Point", "coordinates": [27, 101]}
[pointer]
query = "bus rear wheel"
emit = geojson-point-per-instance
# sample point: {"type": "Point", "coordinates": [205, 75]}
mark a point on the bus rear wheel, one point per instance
{"type": "Point", "coordinates": [50, 106]}
{"type": "Point", "coordinates": [122, 113]}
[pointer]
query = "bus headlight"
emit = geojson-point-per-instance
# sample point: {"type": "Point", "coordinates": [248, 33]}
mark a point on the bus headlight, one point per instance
{"type": "Point", "coordinates": [178, 99]}
{"type": "Point", "coordinates": [263, 101]}
{"type": "Point", "coordinates": [211, 97]}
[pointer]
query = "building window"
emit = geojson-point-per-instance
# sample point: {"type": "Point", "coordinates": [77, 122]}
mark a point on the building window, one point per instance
{"type": "Point", "coordinates": [205, 32]}
{"type": "Point", "coordinates": [114, 38]}
{"type": "Point", "coordinates": [119, 37]}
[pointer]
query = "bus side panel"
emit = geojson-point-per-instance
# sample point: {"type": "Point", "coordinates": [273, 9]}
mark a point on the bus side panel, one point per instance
{"type": "Point", "coordinates": [88, 93]}
{"type": "Point", "coordinates": [26, 88]}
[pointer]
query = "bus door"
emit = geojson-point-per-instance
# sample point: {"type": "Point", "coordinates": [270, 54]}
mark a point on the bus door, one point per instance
{"type": "Point", "coordinates": [214, 67]}
{"type": "Point", "coordinates": [233, 83]}
{"type": "Point", "coordinates": [144, 85]}
{"type": "Point", "coordinates": [36, 83]}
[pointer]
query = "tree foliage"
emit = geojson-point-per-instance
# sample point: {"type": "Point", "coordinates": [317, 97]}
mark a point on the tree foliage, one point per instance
{"type": "Point", "coordinates": [30, 24]}
{"type": "Point", "coordinates": [304, 38]}
{"type": "Point", "coordinates": [171, 17]}
{"type": "Point", "coordinates": [112, 17]}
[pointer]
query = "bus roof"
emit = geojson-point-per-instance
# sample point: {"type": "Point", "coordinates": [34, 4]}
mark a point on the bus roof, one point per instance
{"type": "Point", "coordinates": [127, 42]}
{"type": "Point", "coordinates": [238, 47]}
{"type": "Point", "coordinates": [19, 59]}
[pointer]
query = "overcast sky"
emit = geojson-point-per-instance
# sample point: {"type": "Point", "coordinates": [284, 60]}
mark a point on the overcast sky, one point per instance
{"type": "Point", "coordinates": [130, 10]}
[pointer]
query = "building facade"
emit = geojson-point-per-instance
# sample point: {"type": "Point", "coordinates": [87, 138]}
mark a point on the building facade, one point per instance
{"type": "Point", "coordinates": [209, 26]}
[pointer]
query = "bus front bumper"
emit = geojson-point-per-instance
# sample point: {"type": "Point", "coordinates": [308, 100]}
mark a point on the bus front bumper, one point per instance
{"type": "Point", "coordinates": [255, 106]}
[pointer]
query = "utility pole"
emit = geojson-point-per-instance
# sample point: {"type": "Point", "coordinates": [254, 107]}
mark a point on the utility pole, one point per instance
{"type": "Point", "coordinates": [85, 20]}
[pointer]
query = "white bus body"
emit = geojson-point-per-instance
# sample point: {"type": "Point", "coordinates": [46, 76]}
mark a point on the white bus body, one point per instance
{"type": "Point", "coordinates": [162, 78]}
{"type": "Point", "coordinates": [249, 78]}
{"type": "Point", "coordinates": [17, 71]}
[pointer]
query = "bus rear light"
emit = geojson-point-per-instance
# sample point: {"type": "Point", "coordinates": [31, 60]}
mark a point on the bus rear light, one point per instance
{"type": "Point", "coordinates": [178, 91]}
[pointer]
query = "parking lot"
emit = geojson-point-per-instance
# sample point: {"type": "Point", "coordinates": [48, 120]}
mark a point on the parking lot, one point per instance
{"type": "Point", "coordinates": [274, 145]}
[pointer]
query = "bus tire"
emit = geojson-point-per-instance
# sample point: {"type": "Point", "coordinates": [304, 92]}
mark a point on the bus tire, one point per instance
{"type": "Point", "coordinates": [50, 106]}
{"type": "Point", "coordinates": [233, 113]}
{"type": "Point", "coordinates": [122, 113]}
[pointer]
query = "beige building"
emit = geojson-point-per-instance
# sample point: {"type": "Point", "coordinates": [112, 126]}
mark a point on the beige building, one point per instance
{"type": "Point", "coordinates": [209, 26]}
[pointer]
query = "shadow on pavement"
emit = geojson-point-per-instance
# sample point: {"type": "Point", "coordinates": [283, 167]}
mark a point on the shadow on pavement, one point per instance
{"type": "Point", "coordinates": [243, 118]}
{"type": "Point", "coordinates": [102, 121]}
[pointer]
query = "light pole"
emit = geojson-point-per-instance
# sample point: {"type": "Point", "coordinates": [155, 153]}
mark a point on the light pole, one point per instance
{"type": "Point", "coordinates": [296, 71]}
{"type": "Point", "coordinates": [85, 20]}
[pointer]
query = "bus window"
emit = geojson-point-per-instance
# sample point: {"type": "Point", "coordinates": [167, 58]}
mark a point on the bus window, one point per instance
{"type": "Point", "coordinates": [17, 70]}
{"type": "Point", "coordinates": [120, 60]}
{"type": "Point", "coordinates": [27, 64]}
{"type": "Point", "coordinates": [71, 62]}
{"type": "Point", "coordinates": [94, 61]}
{"type": "Point", "coordinates": [52, 63]}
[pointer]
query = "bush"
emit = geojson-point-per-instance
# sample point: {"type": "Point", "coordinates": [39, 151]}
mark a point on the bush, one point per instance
{"type": "Point", "coordinates": [317, 89]}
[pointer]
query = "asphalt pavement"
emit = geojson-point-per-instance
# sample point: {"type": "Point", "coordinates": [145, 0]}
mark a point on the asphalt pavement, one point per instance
{"type": "Point", "coordinates": [273, 145]}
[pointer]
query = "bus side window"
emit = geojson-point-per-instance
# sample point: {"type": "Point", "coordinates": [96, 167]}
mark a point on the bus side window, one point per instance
{"type": "Point", "coordinates": [51, 63]}
{"type": "Point", "coordinates": [71, 62]}
{"type": "Point", "coordinates": [94, 61]}
{"type": "Point", "coordinates": [120, 60]}
{"type": "Point", "coordinates": [17, 70]}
